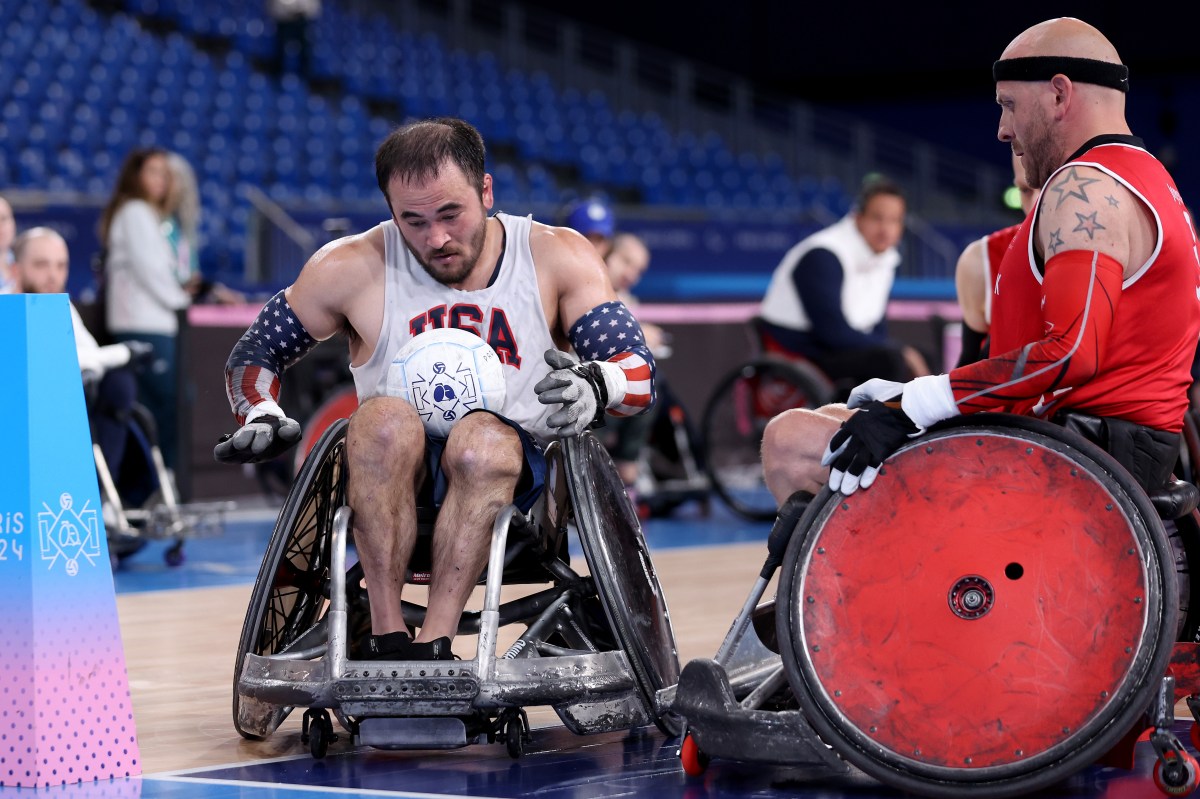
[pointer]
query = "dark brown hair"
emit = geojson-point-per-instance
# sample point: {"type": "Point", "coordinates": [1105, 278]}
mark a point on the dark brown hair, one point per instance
{"type": "Point", "coordinates": [874, 185]}
{"type": "Point", "coordinates": [417, 151]}
{"type": "Point", "coordinates": [129, 186]}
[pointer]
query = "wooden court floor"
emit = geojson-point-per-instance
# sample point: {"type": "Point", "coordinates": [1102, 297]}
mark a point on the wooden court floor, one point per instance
{"type": "Point", "coordinates": [180, 646]}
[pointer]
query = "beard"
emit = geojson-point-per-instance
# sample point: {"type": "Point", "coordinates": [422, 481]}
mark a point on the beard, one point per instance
{"type": "Point", "coordinates": [1042, 155]}
{"type": "Point", "coordinates": [453, 275]}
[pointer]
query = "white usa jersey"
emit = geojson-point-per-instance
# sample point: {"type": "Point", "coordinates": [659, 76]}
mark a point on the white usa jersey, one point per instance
{"type": "Point", "coordinates": [507, 314]}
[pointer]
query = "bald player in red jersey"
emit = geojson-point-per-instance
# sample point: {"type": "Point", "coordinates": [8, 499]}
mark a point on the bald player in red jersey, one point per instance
{"type": "Point", "coordinates": [1096, 308]}
{"type": "Point", "coordinates": [975, 274]}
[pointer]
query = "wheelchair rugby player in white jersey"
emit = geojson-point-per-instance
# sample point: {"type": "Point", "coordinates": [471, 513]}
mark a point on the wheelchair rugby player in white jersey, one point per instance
{"type": "Point", "coordinates": [531, 292]}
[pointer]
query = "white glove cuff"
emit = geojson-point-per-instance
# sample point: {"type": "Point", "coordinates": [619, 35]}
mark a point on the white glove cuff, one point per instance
{"type": "Point", "coordinates": [928, 400]}
{"type": "Point", "coordinates": [615, 382]}
{"type": "Point", "coordinates": [265, 408]}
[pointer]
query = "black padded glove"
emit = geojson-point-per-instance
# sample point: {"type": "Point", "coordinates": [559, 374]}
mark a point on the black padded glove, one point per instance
{"type": "Point", "coordinates": [858, 449]}
{"type": "Point", "coordinates": [260, 439]}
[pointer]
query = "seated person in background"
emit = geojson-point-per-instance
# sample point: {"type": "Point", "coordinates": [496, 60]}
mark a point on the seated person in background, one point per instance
{"type": "Point", "coordinates": [40, 267]}
{"type": "Point", "coordinates": [442, 260]}
{"type": "Point", "coordinates": [827, 300]}
{"type": "Point", "coordinates": [594, 219]}
{"type": "Point", "coordinates": [627, 261]}
{"type": "Point", "coordinates": [8, 229]}
{"type": "Point", "coordinates": [975, 274]}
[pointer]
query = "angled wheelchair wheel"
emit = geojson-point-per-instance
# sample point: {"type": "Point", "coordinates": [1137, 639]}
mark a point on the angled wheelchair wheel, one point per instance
{"type": "Point", "coordinates": [292, 589]}
{"type": "Point", "coordinates": [990, 617]}
{"type": "Point", "coordinates": [625, 579]}
{"type": "Point", "coordinates": [734, 420]}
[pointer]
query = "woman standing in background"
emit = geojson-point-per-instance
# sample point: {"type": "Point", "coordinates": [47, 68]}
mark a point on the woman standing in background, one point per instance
{"type": "Point", "coordinates": [142, 282]}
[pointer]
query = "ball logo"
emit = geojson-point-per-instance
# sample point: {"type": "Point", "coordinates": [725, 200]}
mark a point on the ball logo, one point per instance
{"type": "Point", "coordinates": [446, 391]}
{"type": "Point", "coordinates": [445, 373]}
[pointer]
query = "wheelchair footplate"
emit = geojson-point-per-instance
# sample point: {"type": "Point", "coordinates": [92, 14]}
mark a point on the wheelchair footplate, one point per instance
{"type": "Point", "coordinates": [738, 705]}
{"type": "Point", "coordinates": [720, 726]}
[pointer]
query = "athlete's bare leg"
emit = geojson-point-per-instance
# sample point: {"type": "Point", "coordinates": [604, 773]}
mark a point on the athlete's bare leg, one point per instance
{"type": "Point", "coordinates": [482, 462]}
{"type": "Point", "coordinates": [793, 444]}
{"type": "Point", "coordinates": [385, 451]}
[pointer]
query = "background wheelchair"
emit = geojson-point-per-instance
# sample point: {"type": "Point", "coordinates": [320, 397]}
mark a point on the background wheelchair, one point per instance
{"type": "Point", "coordinates": [140, 502]}
{"type": "Point", "coordinates": [1003, 608]}
{"type": "Point", "coordinates": [596, 648]}
{"type": "Point", "coordinates": [737, 412]}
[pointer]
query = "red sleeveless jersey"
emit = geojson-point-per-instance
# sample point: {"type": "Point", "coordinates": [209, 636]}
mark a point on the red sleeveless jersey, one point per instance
{"type": "Point", "coordinates": [995, 245]}
{"type": "Point", "coordinates": [1146, 370]}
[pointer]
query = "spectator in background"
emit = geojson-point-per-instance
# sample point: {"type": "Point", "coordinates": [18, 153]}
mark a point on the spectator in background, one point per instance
{"type": "Point", "coordinates": [292, 19]}
{"type": "Point", "coordinates": [592, 217]}
{"type": "Point", "coordinates": [8, 230]}
{"type": "Point", "coordinates": [976, 272]}
{"type": "Point", "coordinates": [827, 300]}
{"type": "Point", "coordinates": [182, 228]}
{"type": "Point", "coordinates": [141, 282]}
{"type": "Point", "coordinates": [182, 223]}
{"type": "Point", "coordinates": [40, 267]}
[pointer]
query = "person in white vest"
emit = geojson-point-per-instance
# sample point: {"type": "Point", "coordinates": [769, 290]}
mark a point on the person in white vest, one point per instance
{"type": "Point", "coordinates": [530, 290]}
{"type": "Point", "coordinates": [827, 299]}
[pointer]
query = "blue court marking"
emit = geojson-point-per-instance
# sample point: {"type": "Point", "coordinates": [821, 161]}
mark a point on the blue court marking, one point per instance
{"type": "Point", "coordinates": [559, 765]}
{"type": "Point", "coordinates": [641, 764]}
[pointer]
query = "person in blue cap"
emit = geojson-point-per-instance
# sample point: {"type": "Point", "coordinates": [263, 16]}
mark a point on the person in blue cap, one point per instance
{"type": "Point", "coordinates": [593, 217]}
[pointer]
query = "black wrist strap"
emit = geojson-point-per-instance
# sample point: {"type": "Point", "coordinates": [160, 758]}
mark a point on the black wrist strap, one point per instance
{"type": "Point", "coordinates": [591, 372]}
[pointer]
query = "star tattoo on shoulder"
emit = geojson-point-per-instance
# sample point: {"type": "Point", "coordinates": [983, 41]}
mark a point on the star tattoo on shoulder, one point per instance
{"type": "Point", "coordinates": [1088, 224]}
{"type": "Point", "coordinates": [1072, 185]}
{"type": "Point", "coordinates": [1113, 201]}
{"type": "Point", "coordinates": [1056, 241]}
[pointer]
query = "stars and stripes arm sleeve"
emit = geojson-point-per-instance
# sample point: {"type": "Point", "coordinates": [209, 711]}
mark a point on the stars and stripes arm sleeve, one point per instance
{"type": "Point", "coordinates": [610, 336]}
{"type": "Point", "coordinates": [274, 342]}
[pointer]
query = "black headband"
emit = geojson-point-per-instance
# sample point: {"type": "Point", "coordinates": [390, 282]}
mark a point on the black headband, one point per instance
{"type": "Point", "coordinates": [1045, 67]}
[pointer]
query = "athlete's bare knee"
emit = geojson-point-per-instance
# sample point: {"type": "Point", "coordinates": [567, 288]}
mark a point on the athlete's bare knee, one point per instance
{"type": "Point", "coordinates": [482, 447]}
{"type": "Point", "coordinates": [793, 443]}
{"type": "Point", "coordinates": [384, 430]}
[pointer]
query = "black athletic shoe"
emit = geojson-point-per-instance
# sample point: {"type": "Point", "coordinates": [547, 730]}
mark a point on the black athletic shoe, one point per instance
{"type": "Point", "coordinates": [400, 646]}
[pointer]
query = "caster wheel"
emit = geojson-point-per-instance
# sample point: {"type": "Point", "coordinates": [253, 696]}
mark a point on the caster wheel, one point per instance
{"type": "Point", "coordinates": [512, 737]}
{"type": "Point", "coordinates": [317, 731]}
{"type": "Point", "coordinates": [174, 556]}
{"type": "Point", "coordinates": [694, 761]}
{"type": "Point", "coordinates": [1176, 777]}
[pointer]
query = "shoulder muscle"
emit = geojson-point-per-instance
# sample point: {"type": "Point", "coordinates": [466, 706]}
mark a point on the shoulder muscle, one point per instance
{"type": "Point", "coordinates": [1084, 208]}
{"type": "Point", "coordinates": [337, 275]}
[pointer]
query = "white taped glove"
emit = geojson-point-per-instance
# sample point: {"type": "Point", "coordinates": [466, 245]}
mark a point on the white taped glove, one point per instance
{"type": "Point", "coordinates": [874, 390]}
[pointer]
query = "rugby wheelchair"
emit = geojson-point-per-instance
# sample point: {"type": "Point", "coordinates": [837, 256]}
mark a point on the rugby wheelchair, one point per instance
{"type": "Point", "coordinates": [597, 648]}
{"type": "Point", "coordinates": [737, 412]}
{"type": "Point", "coordinates": [1004, 607]}
{"type": "Point", "coordinates": [140, 502]}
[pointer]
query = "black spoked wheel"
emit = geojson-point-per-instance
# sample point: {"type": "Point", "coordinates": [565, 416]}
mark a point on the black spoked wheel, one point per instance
{"type": "Point", "coordinates": [990, 617]}
{"type": "Point", "coordinates": [292, 589]}
{"type": "Point", "coordinates": [626, 581]}
{"type": "Point", "coordinates": [734, 420]}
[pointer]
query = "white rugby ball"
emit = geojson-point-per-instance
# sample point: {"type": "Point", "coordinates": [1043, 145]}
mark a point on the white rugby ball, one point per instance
{"type": "Point", "coordinates": [444, 373]}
